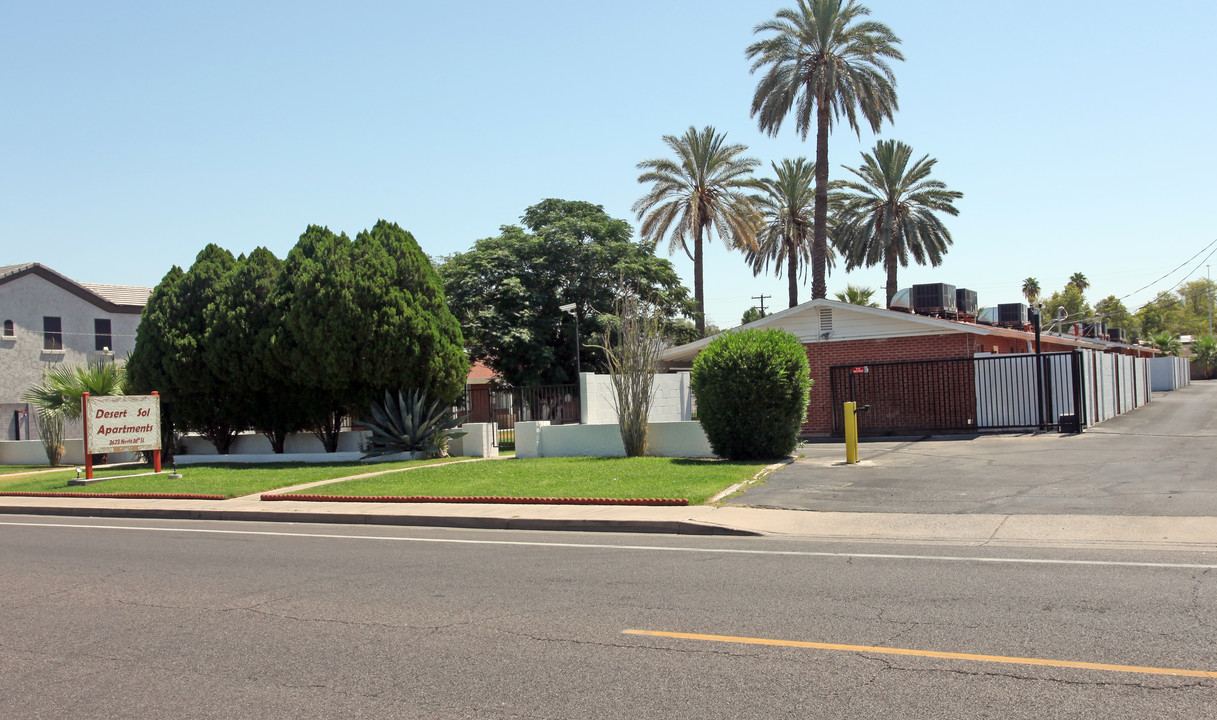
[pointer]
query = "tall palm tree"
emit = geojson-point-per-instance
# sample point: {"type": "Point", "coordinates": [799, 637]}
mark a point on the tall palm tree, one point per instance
{"type": "Point", "coordinates": [891, 213]}
{"type": "Point", "coordinates": [822, 57]}
{"type": "Point", "coordinates": [786, 211]}
{"type": "Point", "coordinates": [705, 187]}
{"type": "Point", "coordinates": [1031, 290]}
{"type": "Point", "coordinates": [857, 295]}
{"type": "Point", "coordinates": [1079, 281]}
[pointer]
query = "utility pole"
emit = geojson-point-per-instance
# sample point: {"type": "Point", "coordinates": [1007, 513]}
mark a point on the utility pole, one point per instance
{"type": "Point", "coordinates": [762, 299]}
{"type": "Point", "coordinates": [1209, 271]}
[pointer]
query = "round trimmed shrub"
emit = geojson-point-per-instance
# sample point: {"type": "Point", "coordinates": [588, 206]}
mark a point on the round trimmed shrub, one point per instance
{"type": "Point", "coordinates": [752, 390]}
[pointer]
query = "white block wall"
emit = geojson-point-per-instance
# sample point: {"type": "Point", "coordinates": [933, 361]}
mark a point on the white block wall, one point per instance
{"type": "Point", "coordinates": [1169, 373]}
{"type": "Point", "coordinates": [31, 452]}
{"type": "Point", "coordinates": [478, 441]}
{"type": "Point", "coordinates": [673, 399]}
{"type": "Point", "coordinates": [664, 439]}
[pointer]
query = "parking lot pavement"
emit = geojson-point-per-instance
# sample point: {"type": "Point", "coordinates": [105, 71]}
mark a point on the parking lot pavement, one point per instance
{"type": "Point", "coordinates": [1158, 460]}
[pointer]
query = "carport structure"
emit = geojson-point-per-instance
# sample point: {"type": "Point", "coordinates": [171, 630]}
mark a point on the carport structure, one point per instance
{"type": "Point", "coordinates": [927, 374]}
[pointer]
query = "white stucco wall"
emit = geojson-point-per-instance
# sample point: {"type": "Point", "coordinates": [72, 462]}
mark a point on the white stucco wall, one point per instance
{"type": "Point", "coordinates": [250, 443]}
{"type": "Point", "coordinates": [25, 301]}
{"type": "Point", "coordinates": [664, 439]}
{"type": "Point", "coordinates": [673, 399]}
{"type": "Point", "coordinates": [31, 452]}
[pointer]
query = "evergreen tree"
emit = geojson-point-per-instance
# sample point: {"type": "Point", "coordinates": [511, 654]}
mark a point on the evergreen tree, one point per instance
{"type": "Point", "coordinates": [174, 331]}
{"type": "Point", "coordinates": [361, 317]}
{"type": "Point", "coordinates": [146, 371]}
{"type": "Point", "coordinates": [243, 325]}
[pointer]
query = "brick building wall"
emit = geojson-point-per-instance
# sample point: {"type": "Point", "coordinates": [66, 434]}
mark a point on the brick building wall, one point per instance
{"type": "Point", "coordinates": [822, 356]}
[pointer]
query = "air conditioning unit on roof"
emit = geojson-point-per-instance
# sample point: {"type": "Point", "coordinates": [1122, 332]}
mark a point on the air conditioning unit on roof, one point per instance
{"type": "Point", "coordinates": [965, 302]}
{"type": "Point", "coordinates": [1011, 314]}
{"type": "Point", "coordinates": [934, 299]}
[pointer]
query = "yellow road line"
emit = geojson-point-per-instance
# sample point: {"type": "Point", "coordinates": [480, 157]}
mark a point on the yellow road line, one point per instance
{"type": "Point", "coordinates": [927, 653]}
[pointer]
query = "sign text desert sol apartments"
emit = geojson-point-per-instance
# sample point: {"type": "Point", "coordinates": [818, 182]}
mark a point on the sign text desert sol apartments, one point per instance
{"type": "Point", "coordinates": [123, 423]}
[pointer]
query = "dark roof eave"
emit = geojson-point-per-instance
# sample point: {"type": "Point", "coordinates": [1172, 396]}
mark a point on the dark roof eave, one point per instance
{"type": "Point", "coordinates": [71, 286]}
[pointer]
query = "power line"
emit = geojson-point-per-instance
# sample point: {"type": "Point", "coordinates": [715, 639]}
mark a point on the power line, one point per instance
{"type": "Point", "coordinates": [1172, 272]}
{"type": "Point", "coordinates": [1186, 277]}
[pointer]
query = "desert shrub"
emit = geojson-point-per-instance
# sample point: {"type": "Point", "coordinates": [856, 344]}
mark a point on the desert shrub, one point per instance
{"type": "Point", "coordinates": [411, 424]}
{"type": "Point", "coordinates": [752, 390]}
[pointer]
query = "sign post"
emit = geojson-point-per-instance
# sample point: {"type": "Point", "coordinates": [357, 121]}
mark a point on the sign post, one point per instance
{"type": "Point", "coordinates": [121, 423]}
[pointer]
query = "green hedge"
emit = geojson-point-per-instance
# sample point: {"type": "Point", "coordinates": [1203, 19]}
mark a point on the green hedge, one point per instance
{"type": "Point", "coordinates": [752, 390]}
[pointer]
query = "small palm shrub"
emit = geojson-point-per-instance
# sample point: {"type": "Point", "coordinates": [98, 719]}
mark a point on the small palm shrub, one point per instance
{"type": "Point", "coordinates": [408, 423]}
{"type": "Point", "coordinates": [1204, 354]}
{"type": "Point", "coordinates": [752, 390]}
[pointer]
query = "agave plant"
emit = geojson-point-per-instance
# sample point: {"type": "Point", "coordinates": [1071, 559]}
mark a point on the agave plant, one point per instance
{"type": "Point", "coordinates": [410, 424]}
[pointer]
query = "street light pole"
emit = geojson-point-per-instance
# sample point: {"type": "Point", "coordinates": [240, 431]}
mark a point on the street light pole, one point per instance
{"type": "Point", "coordinates": [570, 308]}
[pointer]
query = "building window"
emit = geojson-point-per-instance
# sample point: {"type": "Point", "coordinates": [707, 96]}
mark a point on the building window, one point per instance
{"type": "Point", "coordinates": [101, 333]}
{"type": "Point", "coordinates": [8, 328]}
{"type": "Point", "coordinates": [52, 333]}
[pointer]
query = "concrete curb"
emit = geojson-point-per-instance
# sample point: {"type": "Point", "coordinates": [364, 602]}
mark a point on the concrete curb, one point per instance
{"type": "Point", "coordinates": [762, 473]}
{"type": "Point", "coordinates": [494, 499]}
{"type": "Point", "coordinates": [116, 496]}
{"type": "Point", "coordinates": [667, 527]}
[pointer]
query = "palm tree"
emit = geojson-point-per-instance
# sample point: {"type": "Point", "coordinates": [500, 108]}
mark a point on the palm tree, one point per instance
{"type": "Point", "coordinates": [890, 215]}
{"type": "Point", "coordinates": [1079, 281]}
{"type": "Point", "coordinates": [822, 56]}
{"type": "Point", "coordinates": [1167, 343]}
{"type": "Point", "coordinates": [59, 398]}
{"type": "Point", "coordinates": [786, 211]}
{"type": "Point", "coordinates": [703, 188]}
{"type": "Point", "coordinates": [63, 385]}
{"type": "Point", "coordinates": [857, 295]}
{"type": "Point", "coordinates": [1204, 354]}
{"type": "Point", "coordinates": [1031, 290]}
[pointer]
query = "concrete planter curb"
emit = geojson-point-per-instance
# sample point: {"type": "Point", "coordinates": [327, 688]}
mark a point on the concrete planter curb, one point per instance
{"type": "Point", "coordinates": [484, 499]}
{"type": "Point", "coordinates": [118, 496]}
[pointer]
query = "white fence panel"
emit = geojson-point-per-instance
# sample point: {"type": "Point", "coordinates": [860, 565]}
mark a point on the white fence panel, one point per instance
{"type": "Point", "coordinates": [1006, 395]}
{"type": "Point", "coordinates": [1005, 392]}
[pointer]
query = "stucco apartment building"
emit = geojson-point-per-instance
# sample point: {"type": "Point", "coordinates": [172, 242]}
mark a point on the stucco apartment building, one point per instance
{"type": "Point", "coordinates": [47, 319]}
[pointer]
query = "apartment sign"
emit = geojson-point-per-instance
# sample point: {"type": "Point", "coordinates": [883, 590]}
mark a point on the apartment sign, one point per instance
{"type": "Point", "coordinates": [122, 423]}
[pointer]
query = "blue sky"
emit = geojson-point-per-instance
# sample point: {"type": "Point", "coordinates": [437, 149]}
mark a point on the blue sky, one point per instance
{"type": "Point", "coordinates": [135, 133]}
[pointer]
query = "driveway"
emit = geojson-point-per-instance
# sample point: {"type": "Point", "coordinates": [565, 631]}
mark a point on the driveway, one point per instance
{"type": "Point", "coordinates": [1159, 460]}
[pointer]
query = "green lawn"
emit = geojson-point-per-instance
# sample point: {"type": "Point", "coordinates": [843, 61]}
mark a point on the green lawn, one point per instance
{"type": "Point", "coordinates": [695, 480]}
{"type": "Point", "coordinates": [230, 480]}
{"type": "Point", "coordinates": [10, 469]}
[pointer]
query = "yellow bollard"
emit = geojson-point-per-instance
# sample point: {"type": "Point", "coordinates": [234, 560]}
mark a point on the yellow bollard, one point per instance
{"type": "Point", "coordinates": [851, 433]}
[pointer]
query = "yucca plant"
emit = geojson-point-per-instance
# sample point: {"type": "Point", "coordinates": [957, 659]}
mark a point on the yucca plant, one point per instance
{"type": "Point", "coordinates": [50, 431]}
{"type": "Point", "coordinates": [408, 423]}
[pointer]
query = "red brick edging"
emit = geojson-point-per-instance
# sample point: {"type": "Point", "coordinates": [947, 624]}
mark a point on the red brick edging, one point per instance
{"type": "Point", "coordinates": [118, 496]}
{"type": "Point", "coordinates": [482, 499]}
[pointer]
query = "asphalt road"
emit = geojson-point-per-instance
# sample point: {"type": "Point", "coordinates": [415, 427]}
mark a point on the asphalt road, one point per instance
{"type": "Point", "coordinates": [1158, 460]}
{"type": "Point", "coordinates": [140, 619]}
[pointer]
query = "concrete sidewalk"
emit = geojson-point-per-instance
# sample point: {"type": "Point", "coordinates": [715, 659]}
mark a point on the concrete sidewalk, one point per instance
{"type": "Point", "coordinates": [1174, 533]}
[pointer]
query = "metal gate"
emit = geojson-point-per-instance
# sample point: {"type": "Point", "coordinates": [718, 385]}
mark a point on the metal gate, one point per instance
{"type": "Point", "coordinates": [559, 404]}
{"type": "Point", "coordinates": [1000, 392]}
